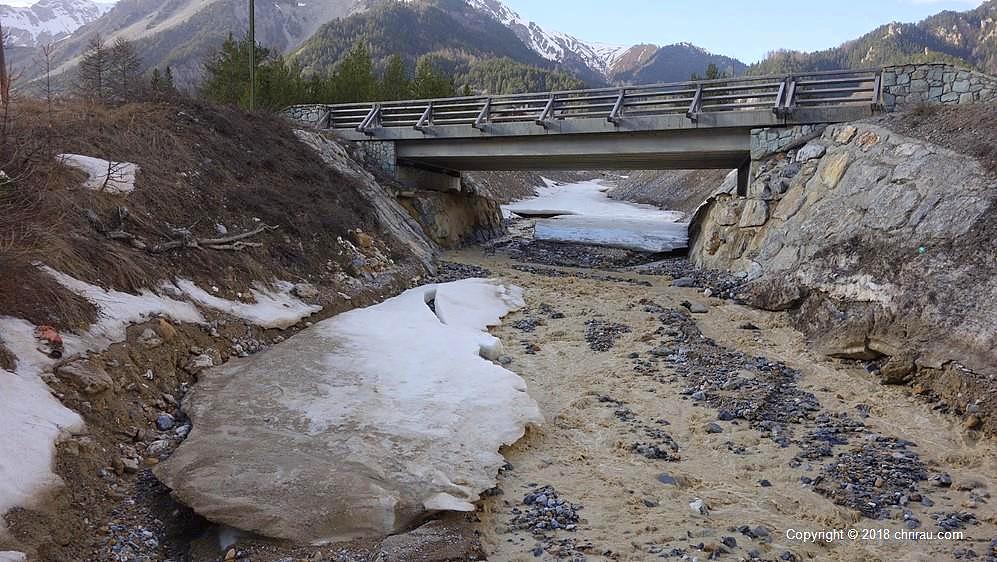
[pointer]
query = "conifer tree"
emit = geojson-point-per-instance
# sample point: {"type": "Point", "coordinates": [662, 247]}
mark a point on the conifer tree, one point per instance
{"type": "Point", "coordinates": [395, 84]}
{"type": "Point", "coordinates": [95, 69]}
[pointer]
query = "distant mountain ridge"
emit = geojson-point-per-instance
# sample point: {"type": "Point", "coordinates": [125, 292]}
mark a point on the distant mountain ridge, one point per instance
{"type": "Point", "coordinates": [968, 38]}
{"type": "Point", "coordinates": [506, 50]}
{"type": "Point", "coordinates": [615, 64]}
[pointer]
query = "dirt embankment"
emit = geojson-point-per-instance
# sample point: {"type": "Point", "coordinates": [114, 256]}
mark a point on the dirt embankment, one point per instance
{"type": "Point", "coordinates": [679, 190]}
{"type": "Point", "coordinates": [204, 173]}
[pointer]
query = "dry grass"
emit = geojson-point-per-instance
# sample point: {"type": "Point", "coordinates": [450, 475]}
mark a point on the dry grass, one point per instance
{"type": "Point", "coordinates": [967, 129]}
{"type": "Point", "coordinates": [200, 166]}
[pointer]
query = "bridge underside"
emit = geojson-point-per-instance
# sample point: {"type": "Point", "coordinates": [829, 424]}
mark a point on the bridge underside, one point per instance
{"type": "Point", "coordinates": [645, 150]}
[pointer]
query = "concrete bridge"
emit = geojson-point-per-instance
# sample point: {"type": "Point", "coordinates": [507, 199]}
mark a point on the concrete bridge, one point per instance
{"type": "Point", "coordinates": [685, 125]}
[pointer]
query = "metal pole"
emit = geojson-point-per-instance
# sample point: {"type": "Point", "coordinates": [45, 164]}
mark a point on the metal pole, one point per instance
{"type": "Point", "coordinates": [252, 55]}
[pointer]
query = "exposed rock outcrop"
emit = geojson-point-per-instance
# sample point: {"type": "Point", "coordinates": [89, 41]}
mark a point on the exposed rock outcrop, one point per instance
{"type": "Point", "coordinates": [453, 219]}
{"type": "Point", "coordinates": [391, 215]}
{"type": "Point", "coordinates": [879, 245]}
{"type": "Point", "coordinates": [678, 190]}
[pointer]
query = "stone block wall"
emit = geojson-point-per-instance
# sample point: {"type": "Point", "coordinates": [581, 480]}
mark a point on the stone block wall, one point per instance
{"type": "Point", "coordinates": [307, 114]}
{"type": "Point", "coordinates": [779, 139]}
{"type": "Point", "coordinates": [377, 154]}
{"type": "Point", "coordinates": [936, 84]}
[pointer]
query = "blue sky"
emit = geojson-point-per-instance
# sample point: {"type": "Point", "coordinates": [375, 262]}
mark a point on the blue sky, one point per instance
{"type": "Point", "coordinates": [743, 29]}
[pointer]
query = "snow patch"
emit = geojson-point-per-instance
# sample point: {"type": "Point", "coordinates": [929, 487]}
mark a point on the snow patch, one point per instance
{"type": "Point", "coordinates": [116, 310]}
{"type": "Point", "coordinates": [360, 424]}
{"type": "Point", "coordinates": [11, 556]}
{"type": "Point", "coordinates": [32, 421]}
{"type": "Point", "coordinates": [273, 308]}
{"type": "Point", "coordinates": [103, 175]}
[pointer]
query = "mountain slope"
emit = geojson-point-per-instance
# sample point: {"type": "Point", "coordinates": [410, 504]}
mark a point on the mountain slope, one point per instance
{"type": "Point", "coordinates": [185, 33]}
{"type": "Point", "coordinates": [461, 41]}
{"type": "Point", "coordinates": [671, 63]}
{"type": "Point", "coordinates": [47, 21]}
{"type": "Point", "coordinates": [967, 38]}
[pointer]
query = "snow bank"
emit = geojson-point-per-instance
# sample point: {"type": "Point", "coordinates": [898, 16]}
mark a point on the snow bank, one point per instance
{"type": "Point", "coordinates": [11, 556]}
{"type": "Point", "coordinates": [32, 418]}
{"type": "Point", "coordinates": [32, 421]}
{"type": "Point", "coordinates": [117, 310]}
{"type": "Point", "coordinates": [111, 177]}
{"type": "Point", "coordinates": [272, 309]}
{"type": "Point", "coordinates": [359, 425]}
{"type": "Point", "coordinates": [586, 215]}
{"type": "Point", "coordinates": [641, 235]}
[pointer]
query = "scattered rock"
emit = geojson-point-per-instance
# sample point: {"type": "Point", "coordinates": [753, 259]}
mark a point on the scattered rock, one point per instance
{"type": "Point", "coordinates": [165, 422]}
{"type": "Point", "coordinates": [602, 335]}
{"type": "Point", "coordinates": [199, 363]}
{"type": "Point", "coordinates": [86, 377]}
{"type": "Point", "coordinates": [713, 427]}
{"type": "Point", "coordinates": [695, 307]}
{"type": "Point", "coordinates": [810, 152]}
{"type": "Point", "coordinates": [699, 506]}
{"type": "Point", "coordinates": [304, 291]}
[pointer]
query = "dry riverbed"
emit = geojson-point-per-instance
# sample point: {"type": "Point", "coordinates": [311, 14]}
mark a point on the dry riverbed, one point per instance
{"type": "Point", "coordinates": [709, 435]}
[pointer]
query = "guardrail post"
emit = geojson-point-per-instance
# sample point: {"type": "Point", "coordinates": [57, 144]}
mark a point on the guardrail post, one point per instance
{"type": "Point", "coordinates": [372, 118]}
{"type": "Point", "coordinates": [790, 105]}
{"type": "Point", "coordinates": [546, 113]}
{"type": "Point", "coordinates": [777, 108]}
{"type": "Point", "coordinates": [697, 102]}
{"type": "Point", "coordinates": [484, 116]}
{"type": "Point", "coordinates": [877, 91]}
{"type": "Point", "coordinates": [427, 117]}
{"type": "Point", "coordinates": [616, 115]}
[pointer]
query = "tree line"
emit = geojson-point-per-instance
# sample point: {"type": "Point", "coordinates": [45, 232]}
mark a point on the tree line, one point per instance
{"type": "Point", "coordinates": [115, 73]}
{"type": "Point", "coordinates": [281, 82]}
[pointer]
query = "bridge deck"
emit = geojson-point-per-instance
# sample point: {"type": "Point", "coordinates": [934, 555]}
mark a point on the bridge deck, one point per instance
{"type": "Point", "coordinates": [730, 103]}
{"type": "Point", "coordinates": [699, 124]}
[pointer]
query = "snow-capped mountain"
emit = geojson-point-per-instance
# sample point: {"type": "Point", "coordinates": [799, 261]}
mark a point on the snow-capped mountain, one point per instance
{"type": "Point", "coordinates": [553, 45]}
{"type": "Point", "coordinates": [609, 63]}
{"type": "Point", "coordinates": [48, 21]}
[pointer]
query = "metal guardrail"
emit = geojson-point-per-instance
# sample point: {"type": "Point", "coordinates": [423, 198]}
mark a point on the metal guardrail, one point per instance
{"type": "Point", "coordinates": [781, 94]}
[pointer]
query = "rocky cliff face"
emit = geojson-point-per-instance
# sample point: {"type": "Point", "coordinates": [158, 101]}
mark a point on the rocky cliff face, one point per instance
{"type": "Point", "coordinates": [880, 247]}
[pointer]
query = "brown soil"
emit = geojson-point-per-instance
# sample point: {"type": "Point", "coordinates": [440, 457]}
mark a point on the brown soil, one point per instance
{"type": "Point", "coordinates": [200, 166]}
{"type": "Point", "coordinates": [968, 129]}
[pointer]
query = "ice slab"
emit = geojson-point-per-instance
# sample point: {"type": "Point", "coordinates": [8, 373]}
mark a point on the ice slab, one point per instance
{"type": "Point", "coordinates": [359, 425]}
{"type": "Point", "coordinates": [582, 213]}
{"type": "Point", "coordinates": [587, 198]}
{"type": "Point", "coordinates": [641, 235]}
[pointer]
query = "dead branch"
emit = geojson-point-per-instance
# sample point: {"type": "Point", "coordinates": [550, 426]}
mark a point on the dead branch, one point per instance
{"type": "Point", "coordinates": [233, 243]}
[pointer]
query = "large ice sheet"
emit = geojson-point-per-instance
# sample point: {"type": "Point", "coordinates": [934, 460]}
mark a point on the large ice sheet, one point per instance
{"type": "Point", "coordinates": [587, 198]}
{"type": "Point", "coordinates": [583, 213]}
{"type": "Point", "coordinates": [359, 425]}
{"type": "Point", "coordinates": [642, 235]}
